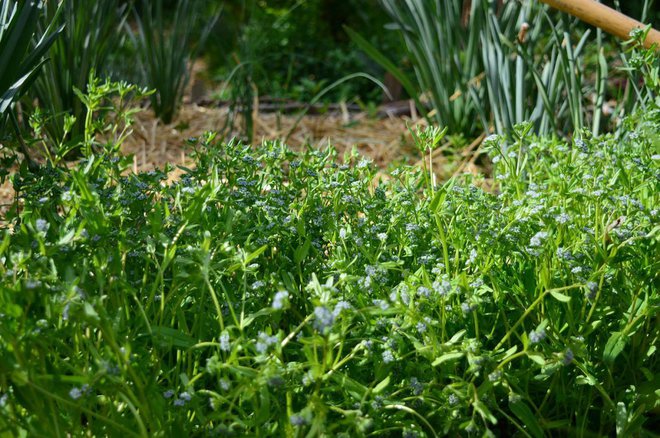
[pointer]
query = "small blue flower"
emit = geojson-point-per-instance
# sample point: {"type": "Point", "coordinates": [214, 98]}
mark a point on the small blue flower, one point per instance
{"type": "Point", "coordinates": [340, 307]}
{"type": "Point", "coordinates": [416, 386]}
{"type": "Point", "coordinates": [75, 393]}
{"type": "Point", "coordinates": [473, 256]}
{"type": "Point", "coordinates": [537, 336]}
{"type": "Point", "coordinates": [32, 284]}
{"type": "Point", "coordinates": [593, 288]}
{"type": "Point", "coordinates": [564, 254]}
{"type": "Point", "coordinates": [323, 318]}
{"type": "Point", "coordinates": [538, 238]}
{"type": "Point", "coordinates": [65, 312]}
{"type": "Point", "coordinates": [388, 356]}
{"type": "Point", "coordinates": [224, 342]}
{"type": "Point", "coordinates": [297, 420]}
{"type": "Point", "coordinates": [568, 356]}
{"type": "Point", "coordinates": [442, 288]}
{"type": "Point", "coordinates": [265, 341]}
{"type": "Point", "coordinates": [280, 300]}
{"type": "Point", "coordinates": [168, 394]}
{"type": "Point", "coordinates": [364, 162]}
{"type": "Point", "coordinates": [423, 291]}
{"type": "Point", "coordinates": [382, 304]}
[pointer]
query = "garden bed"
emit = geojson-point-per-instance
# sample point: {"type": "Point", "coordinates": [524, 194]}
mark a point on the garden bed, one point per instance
{"type": "Point", "coordinates": [271, 291]}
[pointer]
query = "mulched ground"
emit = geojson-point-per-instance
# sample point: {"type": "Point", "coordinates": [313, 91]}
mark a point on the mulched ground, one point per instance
{"type": "Point", "coordinates": [385, 140]}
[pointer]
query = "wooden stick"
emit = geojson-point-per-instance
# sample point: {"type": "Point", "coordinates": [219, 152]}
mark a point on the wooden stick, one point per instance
{"type": "Point", "coordinates": [604, 17]}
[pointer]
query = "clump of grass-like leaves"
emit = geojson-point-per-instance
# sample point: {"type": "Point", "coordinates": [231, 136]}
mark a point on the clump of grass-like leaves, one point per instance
{"type": "Point", "coordinates": [22, 50]}
{"type": "Point", "coordinates": [166, 50]}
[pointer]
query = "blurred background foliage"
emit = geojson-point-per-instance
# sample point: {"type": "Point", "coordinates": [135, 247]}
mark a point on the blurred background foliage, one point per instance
{"type": "Point", "coordinates": [298, 47]}
{"type": "Point", "coordinates": [470, 72]}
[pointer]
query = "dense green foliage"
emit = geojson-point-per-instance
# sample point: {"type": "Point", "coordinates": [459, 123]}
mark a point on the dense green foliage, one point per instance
{"type": "Point", "coordinates": [165, 51]}
{"type": "Point", "coordinates": [91, 34]}
{"type": "Point", "coordinates": [504, 64]}
{"type": "Point", "coordinates": [269, 292]}
{"type": "Point", "coordinates": [293, 49]}
{"type": "Point", "coordinates": [20, 55]}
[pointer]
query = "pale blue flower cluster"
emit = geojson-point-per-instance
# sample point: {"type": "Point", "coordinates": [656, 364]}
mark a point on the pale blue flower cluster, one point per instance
{"type": "Point", "coordinates": [323, 319]}
{"type": "Point", "coordinates": [75, 392]}
{"type": "Point", "coordinates": [265, 341]}
{"type": "Point", "coordinates": [225, 345]}
{"type": "Point", "coordinates": [536, 336]}
{"type": "Point", "coordinates": [280, 300]}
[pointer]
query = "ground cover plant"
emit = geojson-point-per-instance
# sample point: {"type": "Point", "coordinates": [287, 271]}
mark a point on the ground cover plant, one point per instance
{"type": "Point", "coordinates": [268, 292]}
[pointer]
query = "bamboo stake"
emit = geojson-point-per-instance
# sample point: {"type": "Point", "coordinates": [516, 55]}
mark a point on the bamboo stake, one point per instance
{"type": "Point", "coordinates": [606, 18]}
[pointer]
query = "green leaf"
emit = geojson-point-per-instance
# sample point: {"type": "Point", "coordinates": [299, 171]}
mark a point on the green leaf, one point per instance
{"type": "Point", "coordinates": [350, 385]}
{"type": "Point", "coordinates": [621, 418]}
{"type": "Point", "coordinates": [384, 62]}
{"type": "Point", "coordinates": [536, 357]}
{"type": "Point", "coordinates": [301, 252]}
{"type": "Point", "coordinates": [614, 347]}
{"type": "Point", "coordinates": [485, 413]}
{"type": "Point", "coordinates": [447, 358]}
{"type": "Point", "coordinates": [20, 377]}
{"type": "Point", "coordinates": [5, 242]}
{"type": "Point", "coordinates": [250, 318]}
{"type": "Point", "coordinates": [253, 255]}
{"type": "Point", "coordinates": [509, 352]}
{"type": "Point", "coordinates": [67, 238]}
{"type": "Point", "coordinates": [382, 385]}
{"type": "Point", "coordinates": [173, 337]}
{"type": "Point", "coordinates": [457, 337]}
{"type": "Point", "coordinates": [90, 312]}
{"type": "Point", "coordinates": [561, 297]}
{"type": "Point", "coordinates": [524, 413]}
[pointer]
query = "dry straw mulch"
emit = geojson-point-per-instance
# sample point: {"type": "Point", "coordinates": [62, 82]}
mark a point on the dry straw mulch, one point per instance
{"type": "Point", "coordinates": [385, 140]}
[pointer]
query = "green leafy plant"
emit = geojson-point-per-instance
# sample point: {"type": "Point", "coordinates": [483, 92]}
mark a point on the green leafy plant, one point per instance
{"type": "Point", "coordinates": [92, 32]}
{"type": "Point", "coordinates": [642, 67]}
{"type": "Point", "coordinates": [532, 74]}
{"type": "Point", "coordinates": [280, 293]}
{"type": "Point", "coordinates": [502, 64]}
{"type": "Point", "coordinates": [444, 53]}
{"type": "Point", "coordinates": [165, 50]}
{"type": "Point", "coordinates": [21, 57]}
